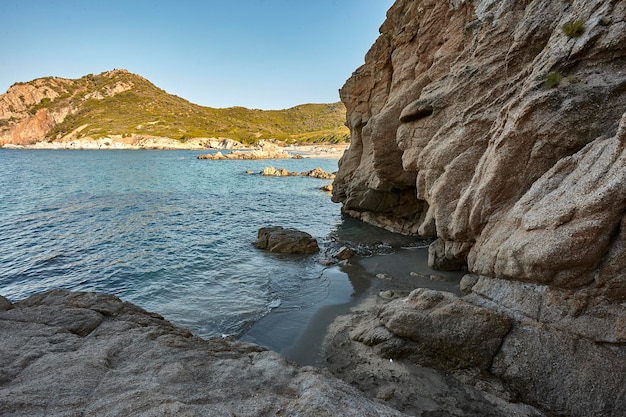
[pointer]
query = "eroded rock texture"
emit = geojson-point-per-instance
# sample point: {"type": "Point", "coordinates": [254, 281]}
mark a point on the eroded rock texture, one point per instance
{"type": "Point", "coordinates": [89, 354]}
{"type": "Point", "coordinates": [453, 124]}
{"type": "Point", "coordinates": [499, 130]}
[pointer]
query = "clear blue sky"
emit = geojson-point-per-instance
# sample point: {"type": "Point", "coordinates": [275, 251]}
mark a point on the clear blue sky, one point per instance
{"type": "Point", "coordinates": [267, 54]}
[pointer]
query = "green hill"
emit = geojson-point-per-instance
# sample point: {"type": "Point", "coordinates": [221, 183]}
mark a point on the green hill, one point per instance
{"type": "Point", "coordinates": [121, 103]}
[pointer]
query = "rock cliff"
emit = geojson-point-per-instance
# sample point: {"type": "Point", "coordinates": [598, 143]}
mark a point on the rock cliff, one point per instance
{"type": "Point", "coordinates": [499, 128]}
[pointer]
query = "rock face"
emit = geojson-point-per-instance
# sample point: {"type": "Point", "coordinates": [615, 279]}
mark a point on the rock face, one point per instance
{"type": "Point", "coordinates": [500, 129]}
{"type": "Point", "coordinates": [278, 239]}
{"type": "Point", "coordinates": [90, 354]}
{"type": "Point", "coordinates": [361, 349]}
{"type": "Point", "coordinates": [471, 338]}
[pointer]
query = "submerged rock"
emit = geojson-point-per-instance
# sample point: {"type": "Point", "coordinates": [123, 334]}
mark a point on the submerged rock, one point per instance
{"type": "Point", "coordinates": [278, 239]}
{"type": "Point", "coordinates": [124, 361]}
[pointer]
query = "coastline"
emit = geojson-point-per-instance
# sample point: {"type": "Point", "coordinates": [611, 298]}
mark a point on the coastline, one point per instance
{"type": "Point", "coordinates": [300, 335]}
{"type": "Point", "coordinates": [323, 150]}
{"type": "Point", "coordinates": [143, 346]}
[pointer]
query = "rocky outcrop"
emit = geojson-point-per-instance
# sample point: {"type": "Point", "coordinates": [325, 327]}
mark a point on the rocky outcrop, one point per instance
{"type": "Point", "coordinates": [412, 327]}
{"type": "Point", "coordinates": [70, 353]}
{"type": "Point", "coordinates": [499, 128]}
{"type": "Point", "coordinates": [223, 143]}
{"type": "Point", "coordinates": [282, 172]}
{"type": "Point", "coordinates": [361, 349]}
{"type": "Point", "coordinates": [25, 118]}
{"type": "Point", "coordinates": [254, 154]}
{"type": "Point", "coordinates": [281, 240]}
{"type": "Point", "coordinates": [277, 172]}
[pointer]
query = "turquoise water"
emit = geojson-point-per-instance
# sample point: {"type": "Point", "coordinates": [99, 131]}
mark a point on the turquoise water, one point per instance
{"type": "Point", "coordinates": [163, 230]}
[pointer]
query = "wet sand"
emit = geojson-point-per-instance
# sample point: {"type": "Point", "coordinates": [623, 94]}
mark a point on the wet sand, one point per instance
{"type": "Point", "coordinates": [299, 335]}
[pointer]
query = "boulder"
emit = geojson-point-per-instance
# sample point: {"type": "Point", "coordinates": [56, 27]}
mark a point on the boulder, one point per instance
{"type": "Point", "coordinates": [354, 353]}
{"type": "Point", "coordinates": [438, 329]}
{"type": "Point", "coordinates": [4, 304]}
{"type": "Point", "coordinates": [318, 173]}
{"type": "Point", "coordinates": [273, 172]}
{"type": "Point", "coordinates": [344, 253]}
{"type": "Point", "coordinates": [130, 362]}
{"type": "Point", "coordinates": [281, 240]}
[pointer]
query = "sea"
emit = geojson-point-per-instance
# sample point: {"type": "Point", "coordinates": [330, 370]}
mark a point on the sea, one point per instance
{"type": "Point", "coordinates": [173, 234]}
{"type": "Point", "coordinates": [163, 230]}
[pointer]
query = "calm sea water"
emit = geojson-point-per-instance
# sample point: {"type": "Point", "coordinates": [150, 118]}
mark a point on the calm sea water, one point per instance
{"type": "Point", "coordinates": [163, 230]}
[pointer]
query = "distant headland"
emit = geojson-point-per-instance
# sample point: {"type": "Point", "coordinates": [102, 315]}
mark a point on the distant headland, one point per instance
{"type": "Point", "coordinates": [119, 109]}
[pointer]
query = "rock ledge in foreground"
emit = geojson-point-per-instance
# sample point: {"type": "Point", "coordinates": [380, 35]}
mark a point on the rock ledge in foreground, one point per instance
{"type": "Point", "coordinates": [91, 354]}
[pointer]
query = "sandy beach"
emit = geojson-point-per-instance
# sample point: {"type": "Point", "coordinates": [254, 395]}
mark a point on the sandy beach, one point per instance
{"type": "Point", "coordinates": [318, 151]}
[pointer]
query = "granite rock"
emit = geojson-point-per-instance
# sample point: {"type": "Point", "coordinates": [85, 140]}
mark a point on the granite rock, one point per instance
{"type": "Point", "coordinates": [281, 240]}
{"type": "Point", "coordinates": [125, 361]}
{"type": "Point", "coordinates": [492, 128]}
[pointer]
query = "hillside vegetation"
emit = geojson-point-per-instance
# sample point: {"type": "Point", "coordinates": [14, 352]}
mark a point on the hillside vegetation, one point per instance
{"type": "Point", "coordinates": [121, 103]}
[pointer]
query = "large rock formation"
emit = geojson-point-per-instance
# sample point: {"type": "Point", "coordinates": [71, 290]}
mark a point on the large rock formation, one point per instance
{"type": "Point", "coordinates": [500, 129]}
{"type": "Point", "coordinates": [90, 354]}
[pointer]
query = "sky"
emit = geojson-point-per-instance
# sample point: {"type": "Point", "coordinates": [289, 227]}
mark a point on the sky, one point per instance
{"type": "Point", "coordinates": [265, 54]}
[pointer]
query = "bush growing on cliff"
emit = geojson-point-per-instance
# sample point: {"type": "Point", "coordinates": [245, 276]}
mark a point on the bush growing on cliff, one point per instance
{"type": "Point", "coordinates": [553, 80]}
{"type": "Point", "coordinates": [42, 103]}
{"type": "Point", "coordinates": [574, 28]}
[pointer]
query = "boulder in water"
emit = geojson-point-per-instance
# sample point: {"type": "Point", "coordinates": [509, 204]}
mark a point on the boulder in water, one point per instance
{"type": "Point", "coordinates": [281, 240]}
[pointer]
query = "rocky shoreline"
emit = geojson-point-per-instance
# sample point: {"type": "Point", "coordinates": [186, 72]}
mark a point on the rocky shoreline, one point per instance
{"type": "Point", "coordinates": [110, 357]}
{"type": "Point", "coordinates": [237, 150]}
{"type": "Point", "coordinates": [489, 127]}
{"type": "Point", "coordinates": [92, 354]}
